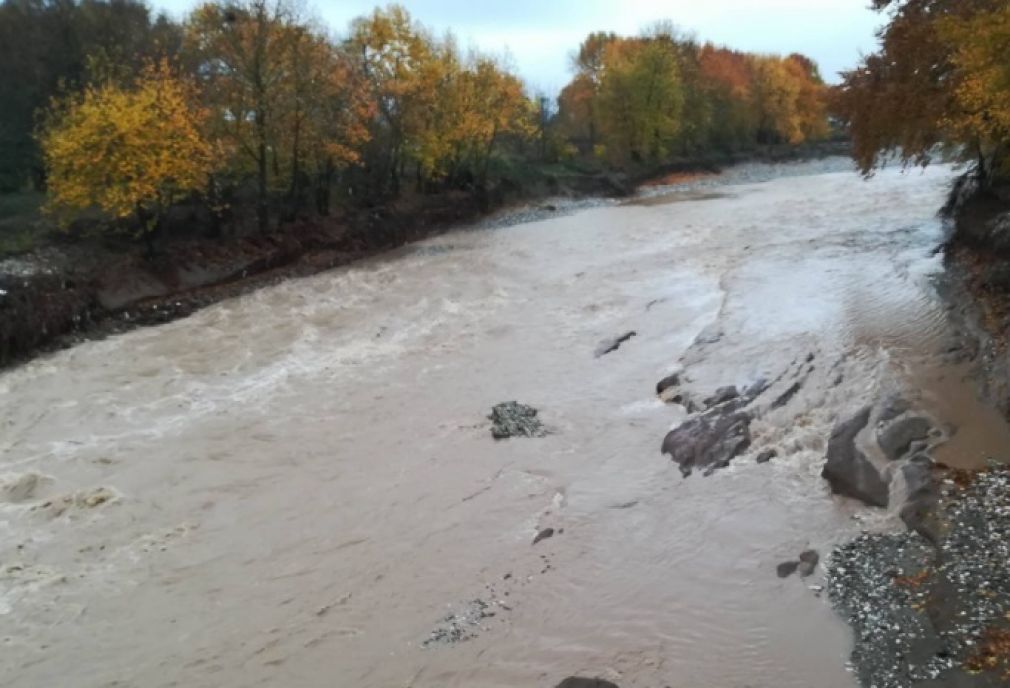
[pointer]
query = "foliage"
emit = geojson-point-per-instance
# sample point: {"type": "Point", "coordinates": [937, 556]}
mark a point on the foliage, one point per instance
{"type": "Point", "coordinates": [642, 99]}
{"type": "Point", "coordinates": [48, 43]}
{"type": "Point", "coordinates": [938, 77]}
{"type": "Point", "coordinates": [126, 152]}
{"type": "Point", "coordinates": [292, 116]}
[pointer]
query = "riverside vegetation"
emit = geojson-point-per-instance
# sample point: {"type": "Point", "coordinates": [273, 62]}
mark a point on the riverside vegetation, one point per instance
{"type": "Point", "coordinates": [144, 160]}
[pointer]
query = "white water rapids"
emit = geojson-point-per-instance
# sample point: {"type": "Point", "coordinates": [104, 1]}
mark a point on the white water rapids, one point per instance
{"type": "Point", "coordinates": [295, 487]}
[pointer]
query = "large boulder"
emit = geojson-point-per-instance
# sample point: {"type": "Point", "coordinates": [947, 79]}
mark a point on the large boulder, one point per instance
{"type": "Point", "coordinates": [896, 439]}
{"type": "Point", "coordinates": [709, 441]}
{"type": "Point", "coordinates": [849, 472]}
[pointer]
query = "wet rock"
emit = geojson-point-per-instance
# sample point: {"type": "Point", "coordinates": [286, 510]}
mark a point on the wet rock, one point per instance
{"type": "Point", "coordinates": [767, 455]}
{"type": "Point", "coordinates": [610, 345]}
{"type": "Point", "coordinates": [892, 407]}
{"type": "Point", "coordinates": [709, 441]}
{"type": "Point", "coordinates": [896, 439]}
{"type": "Point", "coordinates": [512, 419]}
{"type": "Point", "coordinates": [462, 626]}
{"type": "Point", "coordinates": [722, 395]}
{"type": "Point", "coordinates": [578, 682]}
{"type": "Point", "coordinates": [787, 568]}
{"type": "Point", "coordinates": [543, 535]}
{"type": "Point", "coordinates": [847, 469]}
{"type": "Point", "coordinates": [808, 563]}
{"type": "Point", "coordinates": [922, 499]}
{"type": "Point", "coordinates": [786, 396]}
{"type": "Point", "coordinates": [666, 383]}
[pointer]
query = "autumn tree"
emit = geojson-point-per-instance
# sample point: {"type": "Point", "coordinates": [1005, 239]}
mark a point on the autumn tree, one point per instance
{"type": "Point", "coordinates": [239, 53]}
{"type": "Point", "coordinates": [641, 99]}
{"type": "Point", "coordinates": [46, 46]}
{"type": "Point", "coordinates": [980, 47]}
{"type": "Point", "coordinates": [398, 60]}
{"type": "Point", "coordinates": [908, 97]}
{"type": "Point", "coordinates": [128, 153]}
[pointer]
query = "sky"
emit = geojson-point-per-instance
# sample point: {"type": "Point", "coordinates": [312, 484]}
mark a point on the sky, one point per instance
{"type": "Point", "coordinates": [540, 35]}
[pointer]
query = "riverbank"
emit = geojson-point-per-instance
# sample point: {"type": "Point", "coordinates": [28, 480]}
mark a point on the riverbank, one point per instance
{"type": "Point", "coordinates": [930, 606]}
{"type": "Point", "coordinates": [60, 292]}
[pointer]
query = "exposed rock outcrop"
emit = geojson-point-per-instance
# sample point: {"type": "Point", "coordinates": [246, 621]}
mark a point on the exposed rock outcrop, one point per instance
{"type": "Point", "coordinates": [848, 470]}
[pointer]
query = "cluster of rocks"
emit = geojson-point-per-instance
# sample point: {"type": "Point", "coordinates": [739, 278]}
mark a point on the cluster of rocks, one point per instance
{"type": "Point", "coordinates": [512, 419]}
{"type": "Point", "coordinates": [891, 463]}
{"type": "Point", "coordinates": [806, 565]}
{"type": "Point", "coordinates": [462, 625]}
{"type": "Point", "coordinates": [711, 439]}
{"type": "Point", "coordinates": [933, 611]}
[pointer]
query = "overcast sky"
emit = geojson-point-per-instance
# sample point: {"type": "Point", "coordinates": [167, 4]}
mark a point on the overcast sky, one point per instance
{"type": "Point", "coordinates": [540, 35]}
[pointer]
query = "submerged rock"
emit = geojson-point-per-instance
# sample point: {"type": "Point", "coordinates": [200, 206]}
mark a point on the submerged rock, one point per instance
{"type": "Point", "coordinates": [512, 419]}
{"type": "Point", "coordinates": [896, 439]}
{"type": "Point", "coordinates": [722, 395]}
{"type": "Point", "coordinates": [610, 345]}
{"type": "Point", "coordinates": [847, 469]}
{"type": "Point", "coordinates": [767, 455]}
{"type": "Point", "coordinates": [579, 682]}
{"type": "Point", "coordinates": [786, 396]}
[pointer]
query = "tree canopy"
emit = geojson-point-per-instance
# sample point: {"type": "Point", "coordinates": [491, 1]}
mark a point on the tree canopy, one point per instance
{"type": "Point", "coordinates": [939, 78]}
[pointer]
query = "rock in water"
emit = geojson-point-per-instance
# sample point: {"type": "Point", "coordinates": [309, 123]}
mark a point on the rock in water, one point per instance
{"type": "Point", "coordinates": [543, 535]}
{"type": "Point", "coordinates": [579, 682]}
{"type": "Point", "coordinates": [808, 563]}
{"type": "Point", "coordinates": [721, 396]}
{"type": "Point", "coordinates": [786, 396]}
{"type": "Point", "coordinates": [610, 345]}
{"type": "Point", "coordinates": [896, 439]}
{"type": "Point", "coordinates": [709, 441]}
{"type": "Point", "coordinates": [767, 455]}
{"type": "Point", "coordinates": [512, 419]}
{"type": "Point", "coordinates": [922, 499]}
{"type": "Point", "coordinates": [667, 383]}
{"type": "Point", "coordinates": [847, 469]}
{"type": "Point", "coordinates": [787, 568]}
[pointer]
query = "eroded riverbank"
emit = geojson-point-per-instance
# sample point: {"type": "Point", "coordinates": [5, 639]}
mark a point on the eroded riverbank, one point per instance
{"type": "Point", "coordinates": [301, 483]}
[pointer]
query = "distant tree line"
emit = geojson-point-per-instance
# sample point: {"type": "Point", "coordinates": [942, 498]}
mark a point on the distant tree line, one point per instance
{"type": "Point", "coordinates": [120, 115]}
{"type": "Point", "coordinates": [660, 94]}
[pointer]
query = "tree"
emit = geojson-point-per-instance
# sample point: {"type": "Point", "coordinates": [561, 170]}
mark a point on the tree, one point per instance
{"type": "Point", "coordinates": [126, 152]}
{"type": "Point", "coordinates": [49, 45]}
{"type": "Point", "coordinates": [239, 52]}
{"type": "Point", "coordinates": [981, 57]}
{"type": "Point", "coordinates": [641, 99]}
{"type": "Point", "coordinates": [906, 98]}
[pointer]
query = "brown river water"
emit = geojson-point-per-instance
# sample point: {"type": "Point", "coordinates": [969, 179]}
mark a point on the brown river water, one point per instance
{"type": "Point", "coordinates": [296, 487]}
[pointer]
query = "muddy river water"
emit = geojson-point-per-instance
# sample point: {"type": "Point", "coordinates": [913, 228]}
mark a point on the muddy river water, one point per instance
{"type": "Point", "coordinates": [297, 487]}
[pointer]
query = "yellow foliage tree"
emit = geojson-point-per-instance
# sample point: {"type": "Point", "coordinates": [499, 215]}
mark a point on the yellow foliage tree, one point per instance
{"type": "Point", "coordinates": [127, 152]}
{"type": "Point", "coordinates": [980, 47]}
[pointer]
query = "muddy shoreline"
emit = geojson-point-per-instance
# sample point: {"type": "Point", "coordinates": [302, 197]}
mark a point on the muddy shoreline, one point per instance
{"type": "Point", "coordinates": [930, 606]}
{"type": "Point", "coordinates": [65, 293]}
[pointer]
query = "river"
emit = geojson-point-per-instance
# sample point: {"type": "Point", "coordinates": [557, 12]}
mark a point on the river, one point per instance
{"type": "Point", "coordinates": [296, 487]}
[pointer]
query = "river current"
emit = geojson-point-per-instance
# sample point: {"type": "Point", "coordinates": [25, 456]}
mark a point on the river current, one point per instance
{"type": "Point", "coordinates": [298, 486]}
